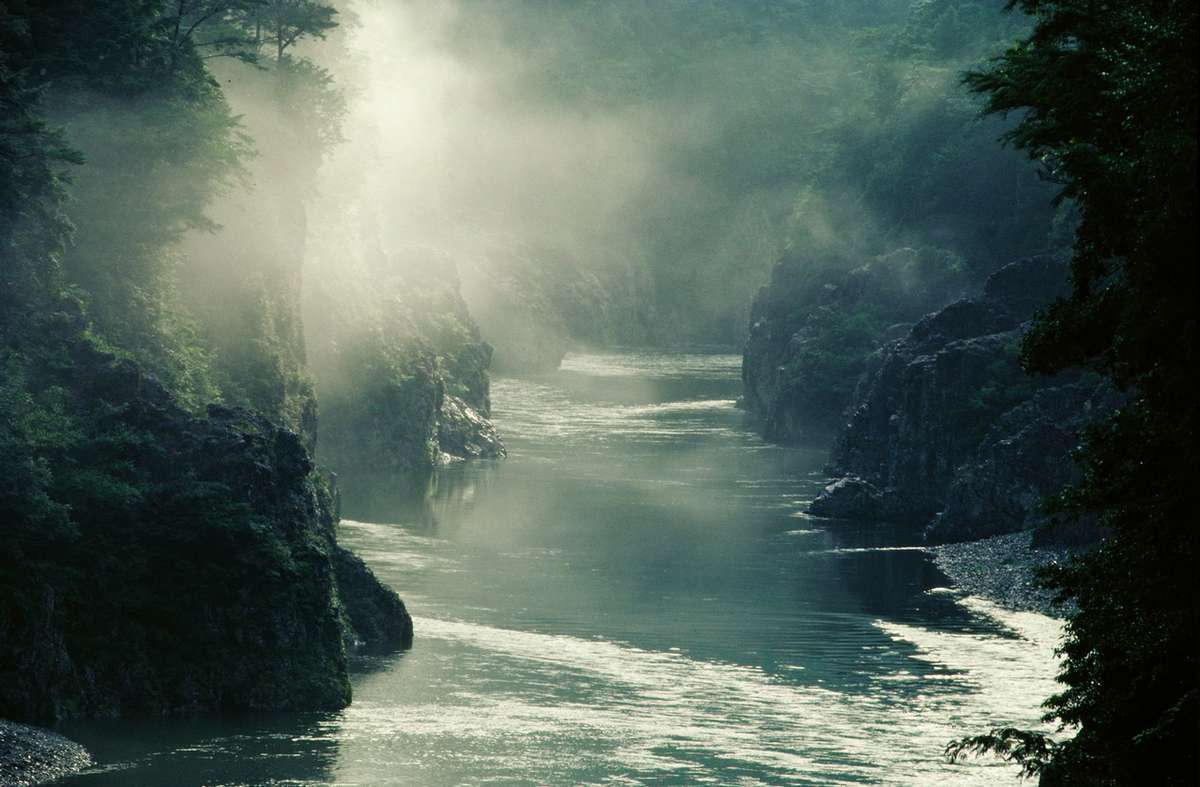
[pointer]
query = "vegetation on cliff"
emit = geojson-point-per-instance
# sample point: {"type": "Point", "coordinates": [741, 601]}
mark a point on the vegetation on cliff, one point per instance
{"type": "Point", "coordinates": [168, 544]}
{"type": "Point", "coordinates": [1103, 99]}
{"type": "Point", "coordinates": [1107, 97]}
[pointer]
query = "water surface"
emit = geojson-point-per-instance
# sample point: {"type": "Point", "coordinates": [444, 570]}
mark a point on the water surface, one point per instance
{"type": "Point", "coordinates": [635, 597]}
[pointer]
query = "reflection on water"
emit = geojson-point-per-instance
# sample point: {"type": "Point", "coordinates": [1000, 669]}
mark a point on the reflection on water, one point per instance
{"type": "Point", "coordinates": [635, 597]}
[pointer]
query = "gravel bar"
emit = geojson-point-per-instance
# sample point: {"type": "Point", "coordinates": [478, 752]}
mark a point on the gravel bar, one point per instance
{"type": "Point", "coordinates": [1002, 569]}
{"type": "Point", "coordinates": [31, 755]}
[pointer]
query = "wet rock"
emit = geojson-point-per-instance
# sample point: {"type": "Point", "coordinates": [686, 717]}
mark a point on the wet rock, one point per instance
{"type": "Point", "coordinates": [849, 498]}
{"type": "Point", "coordinates": [31, 755]}
{"type": "Point", "coordinates": [376, 619]}
{"type": "Point", "coordinates": [948, 425]}
{"type": "Point", "coordinates": [465, 434]}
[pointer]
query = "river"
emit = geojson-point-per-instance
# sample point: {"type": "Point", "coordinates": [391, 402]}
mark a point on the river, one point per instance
{"type": "Point", "coordinates": [635, 596]}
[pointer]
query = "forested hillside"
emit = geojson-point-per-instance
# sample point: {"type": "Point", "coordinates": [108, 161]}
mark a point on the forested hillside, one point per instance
{"type": "Point", "coordinates": [159, 414]}
{"type": "Point", "coordinates": [259, 260]}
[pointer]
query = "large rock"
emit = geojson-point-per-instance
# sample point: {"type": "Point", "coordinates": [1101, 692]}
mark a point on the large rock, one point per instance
{"type": "Point", "coordinates": [1025, 457]}
{"type": "Point", "coordinates": [948, 425]}
{"type": "Point", "coordinates": [375, 617]}
{"type": "Point", "coordinates": [465, 434]}
{"type": "Point", "coordinates": [382, 417]}
{"type": "Point", "coordinates": [813, 328]}
{"type": "Point", "coordinates": [197, 574]}
{"type": "Point", "coordinates": [849, 498]}
{"type": "Point", "coordinates": [406, 385]}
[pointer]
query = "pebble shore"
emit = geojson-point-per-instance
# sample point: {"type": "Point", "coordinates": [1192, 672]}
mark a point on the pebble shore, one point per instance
{"type": "Point", "coordinates": [31, 755]}
{"type": "Point", "coordinates": [1002, 569]}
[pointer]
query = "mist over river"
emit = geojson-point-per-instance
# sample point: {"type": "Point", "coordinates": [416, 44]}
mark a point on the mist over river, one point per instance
{"type": "Point", "coordinates": [634, 597]}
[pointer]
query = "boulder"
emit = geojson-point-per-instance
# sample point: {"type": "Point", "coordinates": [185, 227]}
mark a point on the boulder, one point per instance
{"type": "Point", "coordinates": [465, 434]}
{"type": "Point", "coordinates": [375, 617]}
{"type": "Point", "coordinates": [948, 427]}
{"type": "Point", "coordinates": [849, 498]}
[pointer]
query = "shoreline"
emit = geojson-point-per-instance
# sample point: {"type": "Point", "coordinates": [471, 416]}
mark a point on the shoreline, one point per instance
{"type": "Point", "coordinates": [1003, 569]}
{"type": "Point", "coordinates": [33, 755]}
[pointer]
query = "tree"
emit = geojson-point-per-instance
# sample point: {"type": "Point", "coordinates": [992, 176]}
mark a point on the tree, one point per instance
{"type": "Point", "coordinates": [282, 23]}
{"type": "Point", "coordinates": [1108, 99]}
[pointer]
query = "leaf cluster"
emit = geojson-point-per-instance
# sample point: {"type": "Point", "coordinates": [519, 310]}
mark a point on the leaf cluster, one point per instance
{"type": "Point", "coordinates": [1106, 95]}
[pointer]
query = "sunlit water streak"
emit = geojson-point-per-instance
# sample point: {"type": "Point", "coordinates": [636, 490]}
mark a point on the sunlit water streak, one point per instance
{"type": "Point", "coordinates": [634, 597]}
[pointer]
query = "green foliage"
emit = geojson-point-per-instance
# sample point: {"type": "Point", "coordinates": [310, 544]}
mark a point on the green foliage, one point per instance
{"type": "Point", "coordinates": [32, 430]}
{"type": "Point", "coordinates": [1030, 750]}
{"type": "Point", "coordinates": [282, 23]}
{"type": "Point", "coordinates": [1108, 103]}
{"type": "Point", "coordinates": [314, 105]}
{"type": "Point", "coordinates": [138, 542]}
{"type": "Point", "coordinates": [154, 162]}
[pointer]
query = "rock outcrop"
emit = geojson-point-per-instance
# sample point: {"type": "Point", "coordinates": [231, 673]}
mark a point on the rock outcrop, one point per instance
{"type": "Point", "coordinates": [813, 328]}
{"type": "Point", "coordinates": [1024, 457]}
{"type": "Point", "coordinates": [949, 428]}
{"type": "Point", "coordinates": [406, 386]}
{"type": "Point", "coordinates": [375, 617]}
{"type": "Point", "coordinates": [464, 433]}
{"type": "Point", "coordinates": [850, 498]}
{"type": "Point", "coordinates": [197, 571]}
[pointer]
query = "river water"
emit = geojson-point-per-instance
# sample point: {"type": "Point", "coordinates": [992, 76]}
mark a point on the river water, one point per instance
{"type": "Point", "coordinates": [635, 597]}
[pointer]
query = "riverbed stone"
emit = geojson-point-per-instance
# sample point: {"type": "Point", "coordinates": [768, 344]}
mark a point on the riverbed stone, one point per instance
{"type": "Point", "coordinates": [848, 498]}
{"type": "Point", "coordinates": [32, 755]}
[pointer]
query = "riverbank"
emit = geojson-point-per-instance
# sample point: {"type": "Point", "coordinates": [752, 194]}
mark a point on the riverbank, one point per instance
{"type": "Point", "coordinates": [31, 755]}
{"type": "Point", "coordinates": [1003, 569]}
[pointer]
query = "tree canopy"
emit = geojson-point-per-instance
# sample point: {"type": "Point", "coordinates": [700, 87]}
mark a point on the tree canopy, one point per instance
{"type": "Point", "coordinates": [1107, 96]}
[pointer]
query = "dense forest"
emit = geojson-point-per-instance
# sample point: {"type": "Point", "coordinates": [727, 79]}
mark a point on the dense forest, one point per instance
{"type": "Point", "coordinates": [248, 285]}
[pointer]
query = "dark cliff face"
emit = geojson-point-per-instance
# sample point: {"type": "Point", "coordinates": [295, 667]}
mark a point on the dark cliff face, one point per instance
{"type": "Point", "coordinates": [948, 427]}
{"type": "Point", "coordinates": [374, 616]}
{"type": "Point", "coordinates": [814, 327]}
{"type": "Point", "coordinates": [198, 572]}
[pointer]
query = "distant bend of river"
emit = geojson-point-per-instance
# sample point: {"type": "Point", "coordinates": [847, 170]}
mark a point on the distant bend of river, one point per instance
{"type": "Point", "coordinates": [635, 597]}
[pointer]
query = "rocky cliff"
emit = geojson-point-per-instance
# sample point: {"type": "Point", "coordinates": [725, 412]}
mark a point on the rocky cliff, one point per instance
{"type": "Point", "coordinates": [402, 376]}
{"type": "Point", "coordinates": [814, 326]}
{"type": "Point", "coordinates": [196, 565]}
{"type": "Point", "coordinates": [948, 429]}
